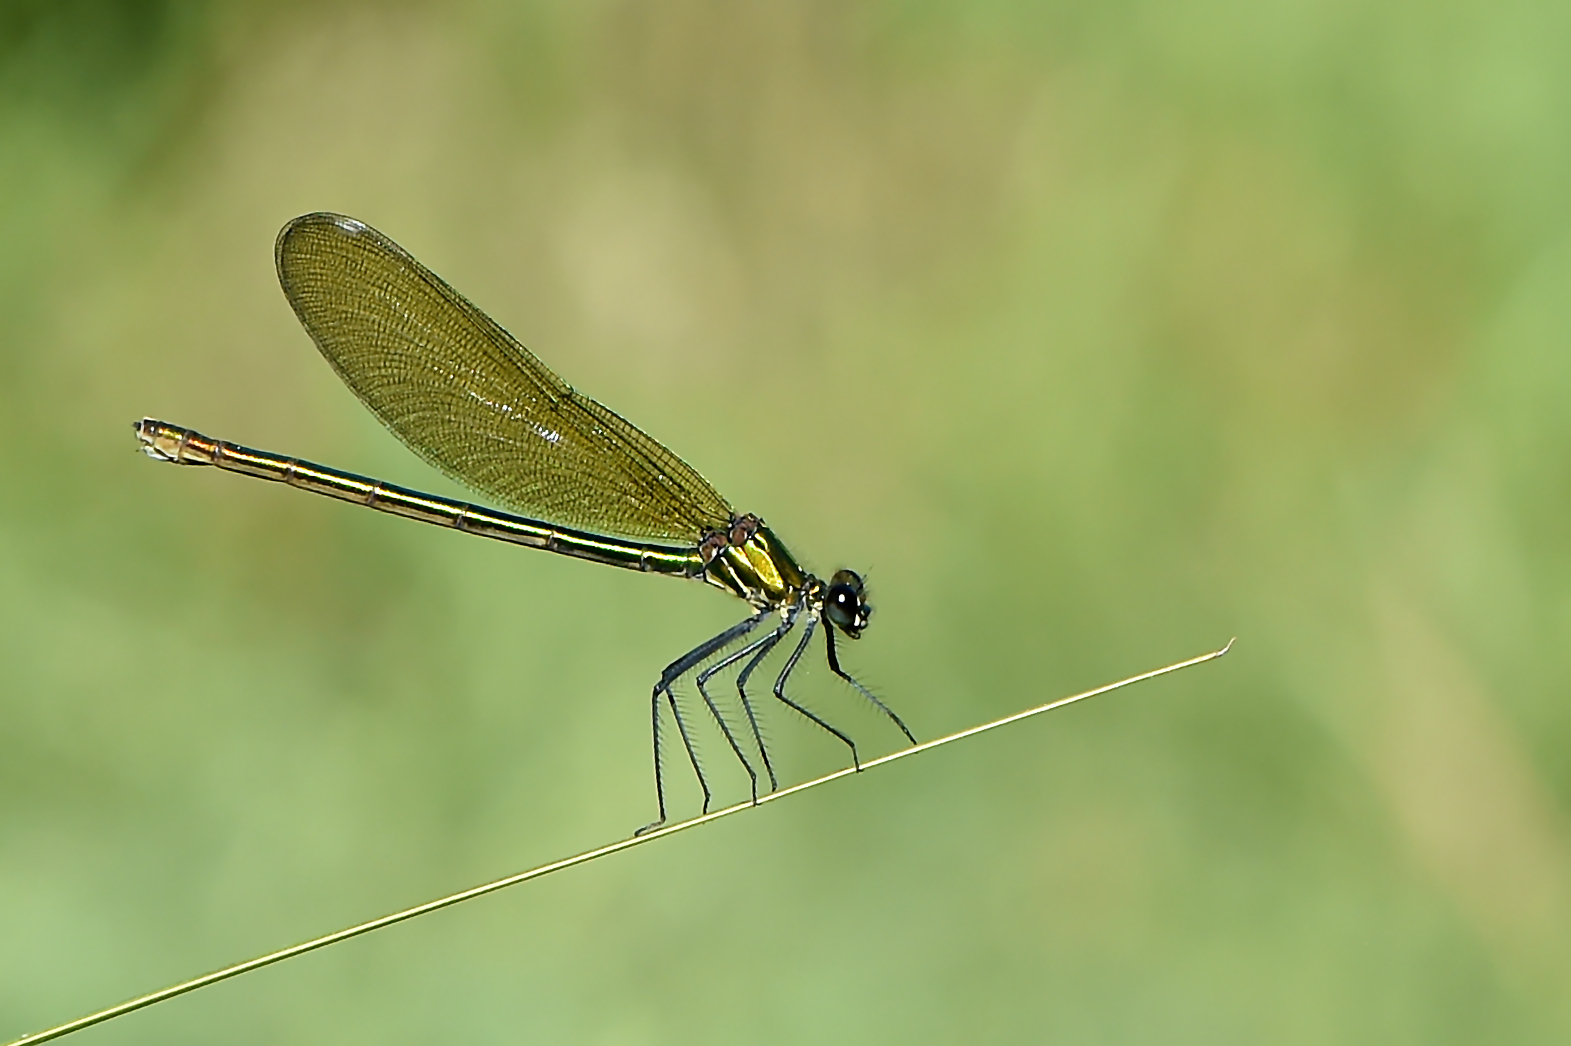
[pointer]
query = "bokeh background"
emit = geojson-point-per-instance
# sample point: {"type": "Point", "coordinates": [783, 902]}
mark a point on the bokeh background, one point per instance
{"type": "Point", "coordinates": [1094, 333]}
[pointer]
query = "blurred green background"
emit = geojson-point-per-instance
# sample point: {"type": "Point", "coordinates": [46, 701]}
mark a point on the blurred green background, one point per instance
{"type": "Point", "coordinates": [1094, 333]}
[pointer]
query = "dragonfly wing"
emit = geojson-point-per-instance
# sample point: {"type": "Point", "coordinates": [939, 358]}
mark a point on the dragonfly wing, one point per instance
{"type": "Point", "coordinates": [468, 398]}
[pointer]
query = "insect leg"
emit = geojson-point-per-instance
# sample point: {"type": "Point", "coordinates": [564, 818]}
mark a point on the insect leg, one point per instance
{"type": "Point", "coordinates": [764, 646]}
{"type": "Point", "coordinates": [687, 743]}
{"type": "Point", "coordinates": [703, 679]}
{"type": "Point", "coordinates": [834, 666]}
{"type": "Point", "coordinates": [780, 682]}
{"type": "Point", "coordinates": [674, 671]}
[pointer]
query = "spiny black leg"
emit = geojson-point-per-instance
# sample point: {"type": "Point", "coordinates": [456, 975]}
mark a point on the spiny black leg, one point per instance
{"type": "Point", "coordinates": [766, 645]}
{"type": "Point", "coordinates": [834, 666]}
{"type": "Point", "coordinates": [726, 730]}
{"type": "Point", "coordinates": [730, 659]}
{"type": "Point", "coordinates": [659, 784]}
{"type": "Point", "coordinates": [674, 671]}
{"type": "Point", "coordinates": [780, 682]}
{"type": "Point", "coordinates": [687, 743]}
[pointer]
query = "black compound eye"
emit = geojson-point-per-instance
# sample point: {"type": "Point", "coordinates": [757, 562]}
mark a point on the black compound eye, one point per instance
{"type": "Point", "coordinates": [843, 604]}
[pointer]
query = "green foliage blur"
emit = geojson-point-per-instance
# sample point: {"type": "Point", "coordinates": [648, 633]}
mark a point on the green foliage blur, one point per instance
{"type": "Point", "coordinates": [1094, 334]}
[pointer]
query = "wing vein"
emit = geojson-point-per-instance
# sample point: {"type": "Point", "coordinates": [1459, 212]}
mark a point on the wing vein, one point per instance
{"type": "Point", "coordinates": [463, 394]}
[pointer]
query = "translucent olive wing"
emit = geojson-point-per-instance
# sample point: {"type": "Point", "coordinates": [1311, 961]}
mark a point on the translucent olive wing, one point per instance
{"type": "Point", "coordinates": [468, 398]}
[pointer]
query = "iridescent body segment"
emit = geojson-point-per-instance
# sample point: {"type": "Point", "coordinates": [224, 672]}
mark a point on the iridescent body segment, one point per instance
{"type": "Point", "coordinates": [181, 446]}
{"type": "Point", "coordinates": [463, 394]}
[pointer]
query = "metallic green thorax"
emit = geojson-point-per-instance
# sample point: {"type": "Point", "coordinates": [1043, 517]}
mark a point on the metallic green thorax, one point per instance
{"type": "Point", "coordinates": [750, 562]}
